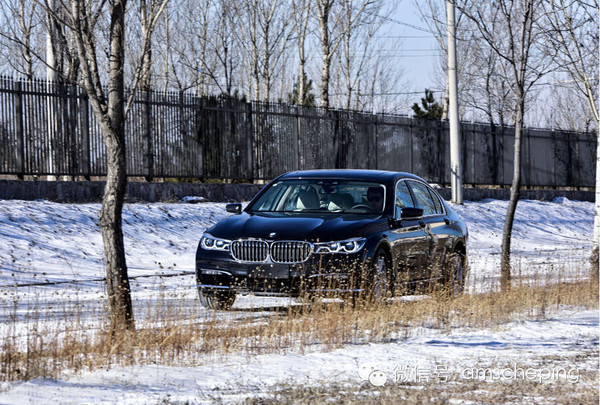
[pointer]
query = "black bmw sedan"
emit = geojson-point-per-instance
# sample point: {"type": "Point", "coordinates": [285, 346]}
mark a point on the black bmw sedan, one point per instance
{"type": "Point", "coordinates": [333, 232]}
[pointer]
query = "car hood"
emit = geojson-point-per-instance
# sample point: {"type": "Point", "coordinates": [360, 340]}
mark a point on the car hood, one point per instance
{"type": "Point", "coordinates": [310, 227]}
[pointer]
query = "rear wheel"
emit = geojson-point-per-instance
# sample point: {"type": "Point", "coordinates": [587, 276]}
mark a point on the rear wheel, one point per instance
{"type": "Point", "coordinates": [219, 300]}
{"type": "Point", "coordinates": [455, 273]}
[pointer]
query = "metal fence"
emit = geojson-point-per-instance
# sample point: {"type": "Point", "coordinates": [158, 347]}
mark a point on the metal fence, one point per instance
{"type": "Point", "coordinates": [49, 129]}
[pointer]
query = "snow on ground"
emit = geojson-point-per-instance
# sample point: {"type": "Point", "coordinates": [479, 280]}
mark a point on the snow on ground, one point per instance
{"type": "Point", "coordinates": [460, 356]}
{"type": "Point", "coordinates": [550, 239]}
{"type": "Point", "coordinates": [48, 242]}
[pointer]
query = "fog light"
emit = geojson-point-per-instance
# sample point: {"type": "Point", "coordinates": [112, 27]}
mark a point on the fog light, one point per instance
{"type": "Point", "coordinates": [212, 272]}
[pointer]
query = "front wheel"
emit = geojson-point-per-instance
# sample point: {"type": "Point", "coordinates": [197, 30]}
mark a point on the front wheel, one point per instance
{"type": "Point", "coordinates": [381, 278]}
{"type": "Point", "coordinates": [219, 300]}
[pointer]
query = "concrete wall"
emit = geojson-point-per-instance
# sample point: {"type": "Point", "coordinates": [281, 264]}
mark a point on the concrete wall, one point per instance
{"type": "Point", "coordinates": [477, 194]}
{"type": "Point", "coordinates": [88, 191]}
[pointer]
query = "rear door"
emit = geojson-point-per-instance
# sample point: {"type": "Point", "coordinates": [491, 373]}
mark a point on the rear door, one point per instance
{"type": "Point", "coordinates": [436, 226]}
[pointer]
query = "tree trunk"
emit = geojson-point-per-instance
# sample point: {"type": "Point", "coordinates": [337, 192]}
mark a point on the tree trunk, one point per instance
{"type": "Point", "coordinates": [325, 81]}
{"type": "Point", "coordinates": [119, 298]}
{"type": "Point", "coordinates": [515, 192]}
{"type": "Point", "coordinates": [594, 259]}
{"type": "Point", "coordinates": [324, 9]}
{"type": "Point", "coordinates": [301, 96]}
{"type": "Point", "coordinates": [594, 262]}
{"type": "Point", "coordinates": [146, 68]}
{"type": "Point", "coordinates": [113, 131]}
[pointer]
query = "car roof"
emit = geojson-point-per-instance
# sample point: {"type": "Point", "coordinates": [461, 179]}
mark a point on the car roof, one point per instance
{"type": "Point", "coordinates": [383, 176]}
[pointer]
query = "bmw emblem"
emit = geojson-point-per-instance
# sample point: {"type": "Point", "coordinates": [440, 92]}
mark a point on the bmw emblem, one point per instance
{"type": "Point", "coordinates": [272, 234]}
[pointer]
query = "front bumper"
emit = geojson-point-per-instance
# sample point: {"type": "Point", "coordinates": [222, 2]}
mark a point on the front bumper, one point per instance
{"type": "Point", "coordinates": [327, 274]}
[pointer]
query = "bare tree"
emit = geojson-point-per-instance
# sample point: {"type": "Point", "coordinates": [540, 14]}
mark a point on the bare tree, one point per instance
{"type": "Point", "coordinates": [212, 51]}
{"type": "Point", "coordinates": [330, 16]}
{"type": "Point", "coordinates": [301, 12]}
{"type": "Point", "coordinates": [150, 12]}
{"type": "Point", "coordinates": [475, 67]}
{"type": "Point", "coordinates": [567, 109]}
{"type": "Point", "coordinates": [60, 55]}
{"type": "Point", "coordinates": [106, 93]}
{"type": "Point", "coordinates": [509, 28]}
{"type": "Point", "coordinates": [205, 66]}
{"type": "Point", "coordinates": [21, 24]}
{"type": "Point", "coordinates": [200, 47]}
{"type": "Point", "coordinates": [434, 15]}
{"type": "Point", "coordinates": [487, 93]}
{"type": "Point", "coordinates": [357, 53]}
{"type": "Point", "coordinates": [227, 49]}
{"type": "Point", "coordinates": [573, 27]}
{"type": "Point", "coordinates": [264, 40]}
{"type": "Point", "coordinates": [183, 45]}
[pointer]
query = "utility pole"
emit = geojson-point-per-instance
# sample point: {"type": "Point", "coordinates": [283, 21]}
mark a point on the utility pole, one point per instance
{"type": "Point", "coordinates": [455, 158]}
{"type": "Point", "coordinates": [595, 258]}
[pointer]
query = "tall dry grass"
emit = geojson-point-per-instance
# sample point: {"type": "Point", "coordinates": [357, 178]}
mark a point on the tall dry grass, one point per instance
{"type": "Point", "coordinates": [175, 330]}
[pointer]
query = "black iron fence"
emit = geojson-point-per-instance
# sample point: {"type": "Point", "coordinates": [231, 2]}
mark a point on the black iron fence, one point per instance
{"type": "Point", "coordinates": [49, 129]}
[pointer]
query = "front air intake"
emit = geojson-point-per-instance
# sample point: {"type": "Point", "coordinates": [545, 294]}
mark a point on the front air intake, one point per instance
{"type": "Point", "coordinates": [290, 251]}
{"type": "Point", "coordinates": [252, 251]}
{"type": "Point", "coordinates": [260, 251]}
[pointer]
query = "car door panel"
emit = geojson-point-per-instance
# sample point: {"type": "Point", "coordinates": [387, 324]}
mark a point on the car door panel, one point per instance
{"type": "Point", "coordinates": [411, 244]}
{"type": "Point", "coordinates": [436, 226]}
{"type": "Point", "coordinates": [410, 247]}
{"type": "Point", "coordinates": [441, 242]}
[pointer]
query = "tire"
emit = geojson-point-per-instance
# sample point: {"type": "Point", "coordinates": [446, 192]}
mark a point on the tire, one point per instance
{"type": "Point", "coordinates": [309, 298]}
{"type": "Point", "coordinates": [456, 270]}
{"type": "Point", "coordinates": [380, 283]}
{"type": "Point", "coordinates": [218, 300]}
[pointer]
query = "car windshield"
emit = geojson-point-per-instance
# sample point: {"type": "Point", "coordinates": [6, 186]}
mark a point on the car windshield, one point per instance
{"type": "Point", "coordinates": [327, 196]}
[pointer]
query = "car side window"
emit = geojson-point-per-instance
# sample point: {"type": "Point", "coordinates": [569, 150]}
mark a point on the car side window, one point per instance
{"type": "Point", "coordinates": [425, 199]}
{"type": "Point", "coordinates": [439, 208]}
{"type": "Point", "coordinates": [403, 198]}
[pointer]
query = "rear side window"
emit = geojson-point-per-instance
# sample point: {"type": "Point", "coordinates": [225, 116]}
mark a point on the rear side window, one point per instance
{"type": "Point", "coordinates": [426, 199]}
{"type": "Point", "coordinates": [403, 198]}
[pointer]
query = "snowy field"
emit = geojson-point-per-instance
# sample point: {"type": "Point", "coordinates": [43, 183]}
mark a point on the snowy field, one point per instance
{"type": "Point", "coordinates": [51, 253]}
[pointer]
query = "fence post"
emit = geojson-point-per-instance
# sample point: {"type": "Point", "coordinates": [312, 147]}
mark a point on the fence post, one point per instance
{"type": "Point", "coordinates": [86, 153]}
{"type": "Point", "coordinates": [410, 145]}
{"type": "Point", "coordinates": [19, 130]}
{"type": "Point", "coordinates": [527, 157]}
{"type": "Point", "coordinates": [250, 149]}
{"type": "Point", "coordinates": [147, 138]}
{"type": "Point", "coordinates": [199, 107]}
{"type": "Point", "coordinates": [251, 161]}
{"type": "Point", "coordinates": [299, 164]}
{"type": "Point", "coordinates": [373, 163]}
{"type": "Point", "coordinates": [71, 102]}
{"type": "Point", "coordinates": [338, 140]}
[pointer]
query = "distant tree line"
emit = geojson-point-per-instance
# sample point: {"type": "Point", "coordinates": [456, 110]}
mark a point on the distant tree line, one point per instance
{"type": "Point", "coordinates": [324, 53]}
{"type": "Point", "coordinates": [307, 52]}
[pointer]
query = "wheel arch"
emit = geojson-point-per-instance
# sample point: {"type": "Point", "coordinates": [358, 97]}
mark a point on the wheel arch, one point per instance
{"type": "Point", "coordinates": [385, 245]}
{"type": "Point", "coordinates": [460, 247]}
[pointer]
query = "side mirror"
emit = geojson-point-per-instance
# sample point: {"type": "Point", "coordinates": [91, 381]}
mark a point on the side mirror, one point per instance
{"type": "Point", "coordinates": [411, 213]}
{"type": "Point", "coordinates": [236, 208]}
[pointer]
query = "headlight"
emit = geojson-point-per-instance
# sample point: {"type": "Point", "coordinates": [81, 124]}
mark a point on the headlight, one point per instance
{"type": "Point", "coordinates": [209, 242]}
{"type": "Point", "coordinates": [343, 246]}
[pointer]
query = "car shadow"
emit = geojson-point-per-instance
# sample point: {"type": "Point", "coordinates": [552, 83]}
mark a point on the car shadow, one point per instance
{"type": "Point", "coordinates": [296, 308]}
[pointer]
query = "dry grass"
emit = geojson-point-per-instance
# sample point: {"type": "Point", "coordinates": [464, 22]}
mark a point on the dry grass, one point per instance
{"type": "Point", "coordinates": [177, 334]}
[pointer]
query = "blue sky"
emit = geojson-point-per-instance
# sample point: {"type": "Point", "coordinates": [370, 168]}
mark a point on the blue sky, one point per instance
{"type": "Point", "coordinates": [419, 48]}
